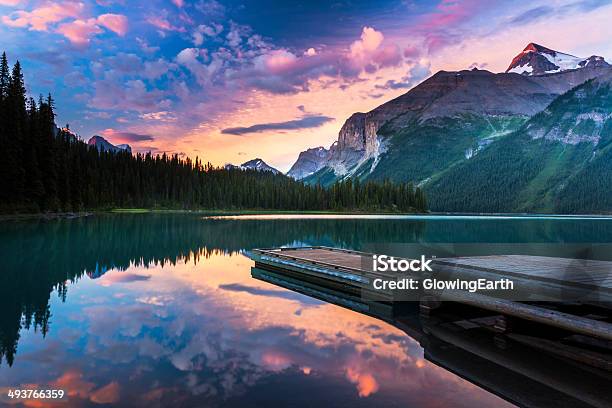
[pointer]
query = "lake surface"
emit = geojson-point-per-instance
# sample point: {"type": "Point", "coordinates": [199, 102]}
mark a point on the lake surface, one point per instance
{"type": "Point", "coordinates": [161, 310]}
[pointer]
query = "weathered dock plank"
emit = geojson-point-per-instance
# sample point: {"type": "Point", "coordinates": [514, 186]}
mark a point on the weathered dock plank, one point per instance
{"type": "Point", "coordinates": [578, 272]}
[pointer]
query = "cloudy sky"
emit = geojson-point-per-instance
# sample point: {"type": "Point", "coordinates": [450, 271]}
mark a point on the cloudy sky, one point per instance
{"type": "Point", "coordinates": [232, 80]}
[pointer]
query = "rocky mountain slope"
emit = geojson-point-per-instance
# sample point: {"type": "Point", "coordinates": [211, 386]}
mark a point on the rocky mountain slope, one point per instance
{"type": "Point", "coordinates": [448, 120]}
{"type": "Point", "coordinates": [104, 145]}
{"type": "Point", "coordinates": [309, 162]}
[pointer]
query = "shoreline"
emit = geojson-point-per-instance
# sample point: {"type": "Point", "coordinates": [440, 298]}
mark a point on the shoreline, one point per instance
{"type": "Point", "coordinates": [222, 213]}
{"type": "Point", "coordinates": [46, 216]}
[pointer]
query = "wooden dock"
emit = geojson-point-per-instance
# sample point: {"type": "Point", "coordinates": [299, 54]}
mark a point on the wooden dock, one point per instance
{"type": "Point", "coordinates": [573, 296]}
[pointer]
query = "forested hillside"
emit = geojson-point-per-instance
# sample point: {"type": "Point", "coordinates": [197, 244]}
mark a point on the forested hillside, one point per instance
{"type": "Point", "coordinates": [46, 169]}
{"type": "Point", "coordinates": [559, 161]}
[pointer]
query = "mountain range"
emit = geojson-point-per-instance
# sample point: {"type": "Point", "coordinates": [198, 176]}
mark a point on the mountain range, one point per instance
{"type": "Point", "coordinates": [477, 141]}
{"type": "Point", "coordinates": [104, 145]}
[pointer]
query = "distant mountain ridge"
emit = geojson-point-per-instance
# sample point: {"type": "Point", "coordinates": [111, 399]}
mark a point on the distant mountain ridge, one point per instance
{"type": "Point", "coordinates": [104, 145]}
{"type": "Point", "coordinates": [254, 164]}
{"type": "Point", "coordinates": [452, 118]}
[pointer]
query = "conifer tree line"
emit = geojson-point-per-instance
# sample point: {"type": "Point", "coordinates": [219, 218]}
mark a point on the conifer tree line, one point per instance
{"type": "Point", "coordinates": [44, 169]}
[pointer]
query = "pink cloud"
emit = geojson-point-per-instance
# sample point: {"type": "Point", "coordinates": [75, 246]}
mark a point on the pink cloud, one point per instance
{"type": "Point", "coordinates": [39, 18]}
{"type": "Point", "coordinates": [163, 24]}
{"type": "Point", "coordinates": [116, 136]}
{"type": "Point", "coordinates": [276, 61]}
{"type": "Point", "coordinates": [389, 55]}
{"type": "Point", "coordinates": [370, 40]}
{"type": "Point", "coordinates": [191, 58]}
{"type": "Point", "coordinates": [178, 3]}
{"type": "Point", "coordinates": [365, 382]}
{"type": "Point", "coordinates": [155, 69]}
{"type": "Point", "coordinates": [412, 52]}
{"type": "Point", "coordinates": [281, 71]}
{"type": "Point", "coordinates": [449, 14]}
{"type": "Point", "coordinates": [79, 31]}
{"type": "Point", "coordinates": [108, 394]}
{"type": "Point", "coordinates": [116, 23]}
{"type": "Point", "coordinates": [132, 95]}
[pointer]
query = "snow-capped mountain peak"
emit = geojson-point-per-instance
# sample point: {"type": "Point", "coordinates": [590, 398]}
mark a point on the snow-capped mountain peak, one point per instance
{"type": "Point", "coordinates": [255, 164]}
{"type": "Point", "coordinates": [536, 59]}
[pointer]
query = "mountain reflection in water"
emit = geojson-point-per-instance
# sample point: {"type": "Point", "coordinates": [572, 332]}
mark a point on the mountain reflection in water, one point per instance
{"type": "Point", "coordinates": [161, 309]}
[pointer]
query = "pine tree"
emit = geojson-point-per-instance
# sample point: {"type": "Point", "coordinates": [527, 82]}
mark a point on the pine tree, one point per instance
{"type": "Point", "coordinates": [15, 128]}
{"type": "Point", "coordinates": [49, 153]}
{"type": "Point", "coordinates": [5, 146]}
{"type": "Point", "coordinates": [33, 189]}
{"type": "Point", "coordinates": [4, 77]}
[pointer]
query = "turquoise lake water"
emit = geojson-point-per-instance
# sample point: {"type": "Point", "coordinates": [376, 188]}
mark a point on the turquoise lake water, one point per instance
{"type": "Point", "coordinates": [161, 310]}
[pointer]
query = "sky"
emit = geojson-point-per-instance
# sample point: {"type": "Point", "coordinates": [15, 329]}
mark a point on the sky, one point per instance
{"type": "Point", "coordinates": [229, 81]}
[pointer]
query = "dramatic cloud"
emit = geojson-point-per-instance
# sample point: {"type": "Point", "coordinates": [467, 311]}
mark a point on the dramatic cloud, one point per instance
{"type": "Point", "coordinates": [156, 69]}
{"type": "Point", "coordinates": [368, 43]}
{"type": "Point", "coordinates": [164, 24]}
{"type": "Point", "coordinates": [109, 394]}
{"type": "Point", "coordinates": [281, 71]}
{"type": "Point", "coordinates": [40, 18]}
{"type": "Point", "coordinates": [440, 27]}
{"type": "Point", "coordinates": [303, 123]}
{"type": "Point", "coordinates": [67, 19]}
{"type": "Point", "coordinates": [133, 95]}
{"type": "Point", "coordinates": [79, 32]}
{"type": "Point", "coordinates": [114, 22]}
{"type": "Point", "coordinates": [204, 31]}
{"type": "Point", "coordinates": [193, 60]}
{"type": "Point", "coordinates": [161, 116]}
{"type": "Point", "coordinates": [366, 383]}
